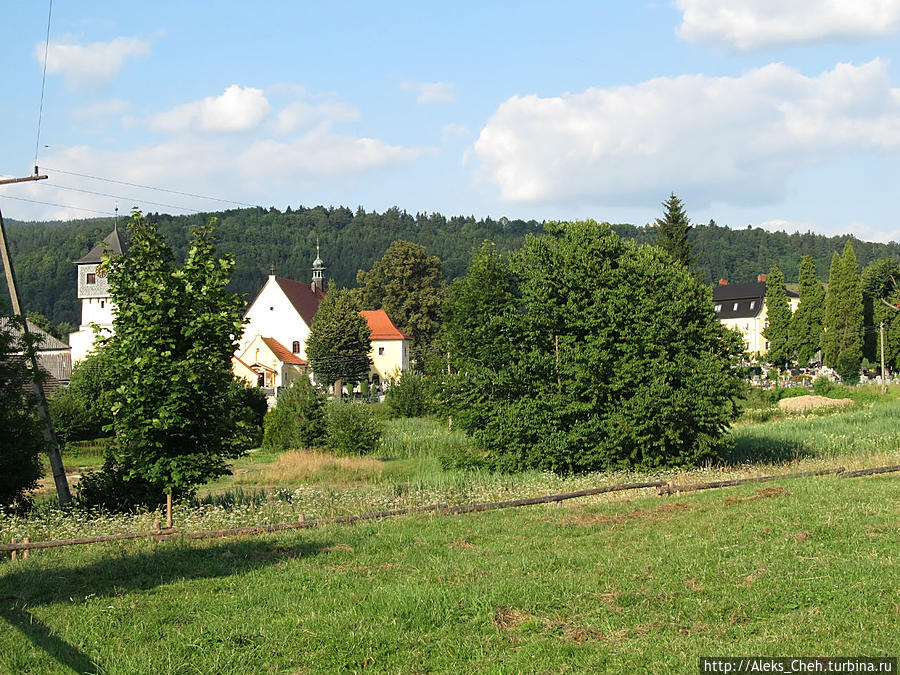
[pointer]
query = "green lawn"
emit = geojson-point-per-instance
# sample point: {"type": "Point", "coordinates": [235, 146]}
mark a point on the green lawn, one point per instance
{"type": "Point", "coordinates": [643, 584]}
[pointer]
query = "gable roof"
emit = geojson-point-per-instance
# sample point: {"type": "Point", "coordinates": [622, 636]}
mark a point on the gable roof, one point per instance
{"type": "Point", "coordinates": [741, 301]}
{"type": "Point", "coordinates": [282, 353]}
{"type": "Point", "coordinates": [382, 327]}
{"type": "Point", "coordinates": [48, 343]}
{"type": "Point", "coordinates": [302, 297]}
{"type": "Point", "coordinates": [113, 243]}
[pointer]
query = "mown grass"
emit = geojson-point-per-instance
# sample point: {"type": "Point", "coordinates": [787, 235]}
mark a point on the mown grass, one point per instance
{"type": "Point", "coordinates": [645, 584]}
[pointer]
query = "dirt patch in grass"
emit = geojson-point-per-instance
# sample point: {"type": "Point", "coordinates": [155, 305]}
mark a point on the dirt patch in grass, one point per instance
{"type": "Point", "coordinates": [308, 465]}
{"type": "Point", "coordinates": [508, 619]}
{"type": "Point", "coordinates": [804, 403]}
{"type": "Point", "coordinates": [462, 543]}
{"type": "Point", "coordinates": [761, 493]}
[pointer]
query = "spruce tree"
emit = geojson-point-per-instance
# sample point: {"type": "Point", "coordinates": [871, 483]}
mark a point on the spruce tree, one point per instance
{"type": "Point", "coordinates": [806, 325]}
{"type": "Point", "coordinates": [778, 313]}
{"type": "Point", "coordinates": [672, 235]}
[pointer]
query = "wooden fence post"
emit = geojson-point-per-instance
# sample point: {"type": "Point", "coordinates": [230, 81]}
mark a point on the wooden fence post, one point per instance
{"type": "Point", "coordinates": [12, 554]}
{"type": "Point", "coordinates": [25, 553]}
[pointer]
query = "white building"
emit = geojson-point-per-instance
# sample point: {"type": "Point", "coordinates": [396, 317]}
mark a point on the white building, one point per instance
{"type": "Point", "coordinates": [743, 308]}
{"type": "Point", "coordinates": [93, 291]}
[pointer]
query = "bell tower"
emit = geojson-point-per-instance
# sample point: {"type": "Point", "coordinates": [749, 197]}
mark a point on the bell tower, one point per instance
{"type": "Point", "coordinates": [93, 291]}
{"type": "Point", "coordinates": [318, 272]}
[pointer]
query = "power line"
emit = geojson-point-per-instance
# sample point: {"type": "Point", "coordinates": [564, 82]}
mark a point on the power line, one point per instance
{"type": "Point", "coordinates": [37, 142]}
{"type": "Point", "coordinates": [150, 187]}
{"type": "Point", "coordinates": [126, 199]}
{"type": "Point", "coordinates": [63, 206]}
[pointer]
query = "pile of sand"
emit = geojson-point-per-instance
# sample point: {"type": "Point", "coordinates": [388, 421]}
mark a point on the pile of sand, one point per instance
{"type": "Point", "coordinates": [802, 403]}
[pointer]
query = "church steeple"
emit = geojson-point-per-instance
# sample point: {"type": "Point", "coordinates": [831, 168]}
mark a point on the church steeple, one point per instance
{"type": "Point", "coordinates": [318, 272]}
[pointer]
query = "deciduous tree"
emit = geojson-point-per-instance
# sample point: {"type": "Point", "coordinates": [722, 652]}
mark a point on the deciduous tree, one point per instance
{"type": "Point", "coordinates": [338, 346]}
{"type": "Point", "coordinates": [604, 355]}
{"type": "Point", "coordinates": [406, 283]}
{"type": "Point", "coordinates": [20, 430]}
{"type": "Point", "coordinates": [173, 413]}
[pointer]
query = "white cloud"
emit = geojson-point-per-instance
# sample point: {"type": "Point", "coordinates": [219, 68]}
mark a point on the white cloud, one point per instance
{"type": "Point", "coordinates": [90, 65]}
{"type": "Point", "coordinates": [454, 132]}
{"type": "Point", "coordinates": [749, 24]}
{"type": "Point", "coordinates": [431, 92]}
{"type": "Point", "coordinates": [300, 114]}
{"type": "Point", "coordinates": [237, 109]}
{"type": "Point", "coordinates": [733, 139]}
{"type": "Point", "coordinates": [231, 166]}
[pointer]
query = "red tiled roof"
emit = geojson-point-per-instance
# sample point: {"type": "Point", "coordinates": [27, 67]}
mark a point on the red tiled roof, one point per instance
{"type": "Point", "coordinates": [382, 327]}
{"type": "Point", "coordinates": [282, 353]}
{"type": "Point", "coordinates": [302, 297]}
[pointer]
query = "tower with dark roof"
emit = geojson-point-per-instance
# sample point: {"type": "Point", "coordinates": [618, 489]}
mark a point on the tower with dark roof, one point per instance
{"type": "Point", "coordinates": [93, 291]}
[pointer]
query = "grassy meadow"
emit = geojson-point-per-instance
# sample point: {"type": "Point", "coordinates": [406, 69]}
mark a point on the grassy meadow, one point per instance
{"type": "Point", "coordinates": [628, 582]}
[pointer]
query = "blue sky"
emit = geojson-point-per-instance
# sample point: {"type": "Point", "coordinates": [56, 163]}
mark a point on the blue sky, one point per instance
{"type": "Point", "coordinates": [761, 112]}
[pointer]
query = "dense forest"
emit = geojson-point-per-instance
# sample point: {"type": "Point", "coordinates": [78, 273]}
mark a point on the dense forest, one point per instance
{"type": "Point", "coordinates": [352, 240]}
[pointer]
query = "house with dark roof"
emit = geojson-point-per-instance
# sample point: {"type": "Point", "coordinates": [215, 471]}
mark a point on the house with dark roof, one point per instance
{"type": "Point", "coordinates": [93, 291]}
{"type": "Point", "coordinates": [743, 308]}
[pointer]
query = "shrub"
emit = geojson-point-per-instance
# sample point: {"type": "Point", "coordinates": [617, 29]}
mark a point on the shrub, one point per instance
{"type": "Point", "coordinates": [351, 428]}
{"type": "Point", "coordinates": [297, 419]}
{"type": "Point", "coordinates": [109, 489]}
{"type": "Point", "coordinates": [72, 421]}
{"type": "Point", "coordinates": [20, 430]}
{"type": "Point", "coordinates": [407, 396]}
{"type": "Point", "coordinates": [822, 385]}
{"type": "Point", "coordinates": [847, 367]}
{"type": "Point", "coordinates": [250, 407]}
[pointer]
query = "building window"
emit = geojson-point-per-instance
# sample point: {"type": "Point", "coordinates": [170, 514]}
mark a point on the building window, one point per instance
{"type": "Point", "coordinates": [718, 308]}
{"type": "Point", "coordinates": [381, 351]}
{"type": "Point", "coordinates": [296, 347]}
{"type": "Point", "coordinates": [102, 304]}
{"type": "Point", "coordinates": [735, 307]}
{"type": "Point", "coordinates": [753, 304]}
{"type": "Point", "coordinates": [91, 278]}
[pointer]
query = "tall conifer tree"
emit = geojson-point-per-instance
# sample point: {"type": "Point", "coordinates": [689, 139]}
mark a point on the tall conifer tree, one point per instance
{"type": "Point", "coordinates": [673, 231]}
{"type": "Point", "coordinates": [843, 334]}
{"type": "Point", "coordinates": [778, 313]}
{"type": "Point", "coordinates": [806, 325]}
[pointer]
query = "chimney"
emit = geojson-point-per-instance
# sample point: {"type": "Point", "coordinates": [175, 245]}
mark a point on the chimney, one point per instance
{"type": "Point", "coordinates": [723, 282]}
{"type": "Point", "coordinates": [761, 278]}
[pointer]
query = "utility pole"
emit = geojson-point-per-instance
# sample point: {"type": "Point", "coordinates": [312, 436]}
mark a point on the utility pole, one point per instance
{"type": "Point", "coordinates": [883, 382]}
{"type": "Point", "coordinates": [56, 464]}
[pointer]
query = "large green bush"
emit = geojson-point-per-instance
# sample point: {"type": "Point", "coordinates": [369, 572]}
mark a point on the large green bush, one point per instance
{"type": "Point", "coordinates": [407, 396]}
{"type": "Point", "coordinates": [351, 428]}
{"type": "Point", "coordinates": [297, 420]}
{"type": "Point", "coordinates": [588, 352]}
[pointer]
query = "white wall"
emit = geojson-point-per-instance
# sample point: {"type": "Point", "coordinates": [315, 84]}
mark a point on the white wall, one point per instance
{"type": "Point", "coordinates": [272, 315]}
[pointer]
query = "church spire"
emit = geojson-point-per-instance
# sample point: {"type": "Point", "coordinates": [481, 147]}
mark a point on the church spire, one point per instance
{"type": "Point", "coordinates": [318, 272]}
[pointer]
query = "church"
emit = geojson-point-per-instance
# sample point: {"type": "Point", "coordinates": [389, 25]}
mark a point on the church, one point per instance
{"type": "Point", "coordinates": [272, 350]}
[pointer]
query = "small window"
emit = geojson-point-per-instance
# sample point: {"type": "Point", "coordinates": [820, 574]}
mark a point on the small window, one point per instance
{"type": "Point", "coordinates": [735, 307]}
{"type": "Point", "coordinates": [718, 308]}
{"type": "Point", "coordinates": [91, 278]}
{"type": "Point", "coordinates": [296, 347]}
{"type": "Point", "coordinates": [271, 309]}
{"type": "Point", "coordinates": [381, 351]}
{"type": "Point", "coordinates": [102, 304]}
{"type": "Point", "coordinates": [753, 304]}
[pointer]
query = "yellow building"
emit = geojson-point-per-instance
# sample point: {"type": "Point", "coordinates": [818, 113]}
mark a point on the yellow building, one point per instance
{"type": "Point", "coordinates": [390, 347]}
{"type": "Point", "coordinates": [743, 307]}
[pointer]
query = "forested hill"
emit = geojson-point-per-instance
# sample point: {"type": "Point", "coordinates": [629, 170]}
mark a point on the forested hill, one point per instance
{"type": "Point", "coordinates": [260, 238]}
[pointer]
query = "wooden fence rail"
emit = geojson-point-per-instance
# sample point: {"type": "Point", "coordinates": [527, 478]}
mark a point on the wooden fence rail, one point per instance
{"type": "Point", "coordinates": [663, 488]}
